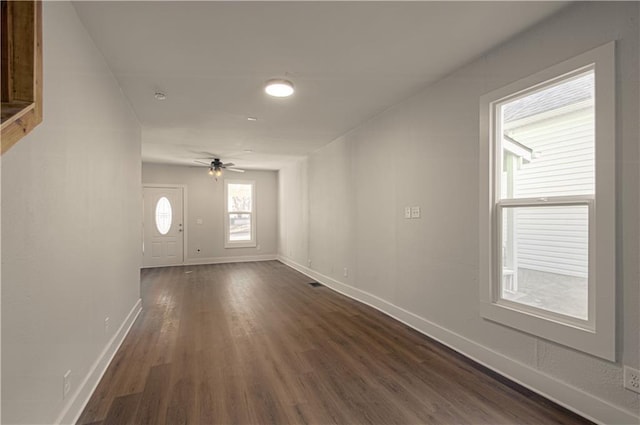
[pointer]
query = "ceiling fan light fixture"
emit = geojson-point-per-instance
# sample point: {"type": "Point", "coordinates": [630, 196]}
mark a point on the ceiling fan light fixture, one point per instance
{"type": "Point", "coordinates": [218, 172]}
{"type": "Point", "coordinates": [211, 171]}
{"type": "Point", "coordinates": [279, 88]}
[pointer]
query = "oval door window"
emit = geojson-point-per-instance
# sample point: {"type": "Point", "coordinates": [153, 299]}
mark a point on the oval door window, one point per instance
{"type": "Point", "coordinates": [163, 215]}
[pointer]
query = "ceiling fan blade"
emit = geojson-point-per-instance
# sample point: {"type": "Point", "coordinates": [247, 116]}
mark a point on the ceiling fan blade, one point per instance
{"type": "Point", "coordinates": [208, 164]}
{"type": "Point", "coordinates": [228, 164]}
{"type": "Point", "coordinates": [237, 170]}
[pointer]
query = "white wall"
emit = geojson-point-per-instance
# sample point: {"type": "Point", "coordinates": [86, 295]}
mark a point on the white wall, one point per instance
{"type": "Point", "coordinates": [293, 212]}
{"type": "Point", "coordinates": [70, 216]}
{"type": "Point", "coordinates": [424, 152]}
{"type": "Point", "coordinates": [205, 200]}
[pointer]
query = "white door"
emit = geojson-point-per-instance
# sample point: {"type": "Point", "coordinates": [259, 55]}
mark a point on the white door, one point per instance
{"type": "Point", "coordinates": [163, 241]}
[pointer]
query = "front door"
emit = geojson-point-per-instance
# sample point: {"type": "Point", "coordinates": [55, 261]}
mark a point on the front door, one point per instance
{"type": "Point", "coordinates": [163, 240]}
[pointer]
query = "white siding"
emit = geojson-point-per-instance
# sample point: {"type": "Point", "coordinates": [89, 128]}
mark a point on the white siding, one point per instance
{"type": "Point", "coordinates": [555, 239]}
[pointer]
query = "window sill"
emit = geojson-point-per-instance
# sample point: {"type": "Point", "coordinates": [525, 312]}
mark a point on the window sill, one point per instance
{"type": "Point", "coordinates": [231, 245]}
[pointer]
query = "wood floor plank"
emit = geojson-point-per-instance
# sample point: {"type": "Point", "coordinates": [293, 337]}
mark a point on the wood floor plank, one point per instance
{"type": "Point", "coordinates": [123, 410]}
{"type": "Point", "coordinates": [153, 403]}
{"type": "Point", "coordinates": [254, 343]}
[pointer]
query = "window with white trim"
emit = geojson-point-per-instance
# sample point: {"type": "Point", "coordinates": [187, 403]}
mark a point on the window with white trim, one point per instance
{"type": "Point", "coordinates": [240, 220]}
{"type": "Point", "coordinates": [547, 208]}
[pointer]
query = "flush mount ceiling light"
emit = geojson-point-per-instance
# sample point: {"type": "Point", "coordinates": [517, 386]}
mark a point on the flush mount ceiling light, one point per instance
{"type": "Point", "coordinates": [160, 96]}
{"type": "Point", "coordinates": [279, 88]}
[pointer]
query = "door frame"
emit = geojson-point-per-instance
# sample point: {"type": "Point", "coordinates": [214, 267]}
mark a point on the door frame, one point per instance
{"type": "Point", "coordinates": [184, 219]}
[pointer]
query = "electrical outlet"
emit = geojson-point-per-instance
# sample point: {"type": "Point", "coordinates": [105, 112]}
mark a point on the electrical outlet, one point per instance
{"type": "Point", "coordinates": [309, 261]}
{"type": "Point", "coordinates": [632, 379]}
{"type": "Point", "coordinates": [346, 272]}
{"type": "Point", "coordinates": [106, 325]}
{"type": "Point", "coordinates": [66, 384]}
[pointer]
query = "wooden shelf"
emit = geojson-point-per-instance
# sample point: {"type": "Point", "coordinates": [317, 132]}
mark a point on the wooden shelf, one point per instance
{"type": "Point", "coordinates": [21, 94]}
{"type": "Point", "coordinates": [11, 109]}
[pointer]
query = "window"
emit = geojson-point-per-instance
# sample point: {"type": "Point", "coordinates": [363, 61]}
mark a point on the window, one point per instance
{"type": "Point", "coordinates": [163, 215]}
{"type": "Point", "coordinates": [240, 226]}
{"type": "Point", "coordinates": [548, 204]}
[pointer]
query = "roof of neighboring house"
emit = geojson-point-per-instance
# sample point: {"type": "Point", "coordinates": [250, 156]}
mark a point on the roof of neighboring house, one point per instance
{"type": "Point", "coordinates": [564, 94]}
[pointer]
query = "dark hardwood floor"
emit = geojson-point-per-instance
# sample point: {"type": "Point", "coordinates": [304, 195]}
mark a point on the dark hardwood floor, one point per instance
{"type": "Point", "coordinates": [254, 343]}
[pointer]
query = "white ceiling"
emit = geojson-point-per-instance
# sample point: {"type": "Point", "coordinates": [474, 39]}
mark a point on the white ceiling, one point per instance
{"type": "Point", "coordinates": [348, 60]}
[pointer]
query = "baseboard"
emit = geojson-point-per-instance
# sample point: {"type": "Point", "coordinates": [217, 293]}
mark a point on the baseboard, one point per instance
{"type": "Point", "coordinates": [572, 398]}
{"type": "Point", "coordinates": [79, 399]}
{"type": "Point", "coordinates": [222, 260]}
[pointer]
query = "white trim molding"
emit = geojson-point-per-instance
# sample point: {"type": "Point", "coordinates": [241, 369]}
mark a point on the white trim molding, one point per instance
{"type": "Point", "coordinates": [596, 333]}
{"type": "Point", "coordinates": [79, 399]}
{"type": "Point", "coordinates": [220, 260]}
{"type": "Point", "coordinates": [236, 259]}
{"type": "Point", "coordinates": [572, 398]}
{"type": "Point", "coordinates": [253, 242]}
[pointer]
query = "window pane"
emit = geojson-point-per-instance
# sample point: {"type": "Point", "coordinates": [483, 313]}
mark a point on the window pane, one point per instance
{"type": "Point", "coordinates": [239, 227]}
{"type": "Point", "coordinates": [163, 215]}
{"type": "Point", "coordinates": [545, 253]}
{"type": "Point", "coordinates": [548, 141]}
{"type": "Point", "coordinates": [239, 197]}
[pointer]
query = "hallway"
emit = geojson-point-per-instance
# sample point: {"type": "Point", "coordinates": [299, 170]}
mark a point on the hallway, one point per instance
{"type": "Point", "coordinates": [255, 343]}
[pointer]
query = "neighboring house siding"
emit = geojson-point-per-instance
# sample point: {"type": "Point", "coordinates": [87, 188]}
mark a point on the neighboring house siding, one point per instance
{"type": "Point", "coordinates": [555, 240]}
{"type": "Point", "coordinates": [547, 243]}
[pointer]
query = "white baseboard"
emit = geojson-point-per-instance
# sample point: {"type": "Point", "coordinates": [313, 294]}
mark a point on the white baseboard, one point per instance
{"type": "Point", "coordinates": [572, 398]}
{"type": "Point", "coordinates": [220, 260]}
{"type": "Point", "coordinates": [237, 259]}
{"type": "Point", "coordinates": [79, 399]}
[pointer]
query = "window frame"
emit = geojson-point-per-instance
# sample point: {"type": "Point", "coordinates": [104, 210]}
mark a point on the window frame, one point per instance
{"type": "Point", "coordinates": [228, 243]}
{"type": "Point", "coordinates": [596, 335]}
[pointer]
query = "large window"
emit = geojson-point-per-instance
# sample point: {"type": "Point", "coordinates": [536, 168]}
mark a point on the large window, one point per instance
{"type": "Point", "coordinates": [548, 186]}
{"type": "Point", "coordinates": [240, 226]}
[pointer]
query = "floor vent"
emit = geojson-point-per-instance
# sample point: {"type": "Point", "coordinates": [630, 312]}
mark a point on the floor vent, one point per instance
{"type": "Point", "coordinates": [315, 284]}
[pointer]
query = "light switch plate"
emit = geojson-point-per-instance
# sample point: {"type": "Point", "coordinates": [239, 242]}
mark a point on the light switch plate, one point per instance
{"type": "Point", "coordinates": [407, 212]}
{"type": "Point", "coordinates": [415, 212]}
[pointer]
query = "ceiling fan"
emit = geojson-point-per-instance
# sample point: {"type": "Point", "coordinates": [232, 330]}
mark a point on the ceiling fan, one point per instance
{"type": "Point", "coordinates": [216, 166]}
